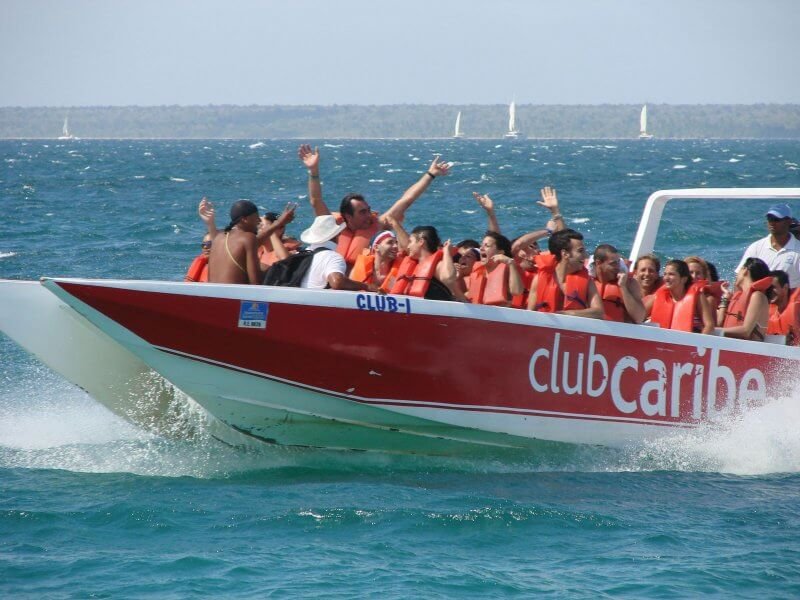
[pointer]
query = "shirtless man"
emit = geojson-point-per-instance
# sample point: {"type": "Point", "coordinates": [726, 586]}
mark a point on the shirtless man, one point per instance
{"type": "Point", "coordinates": [361, 223]}
{"type": "Point", "coordinates": [234, 253]}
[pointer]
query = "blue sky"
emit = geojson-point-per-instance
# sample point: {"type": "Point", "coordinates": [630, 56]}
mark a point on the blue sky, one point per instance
{"type": "Point", "coordinates": [144, 52]}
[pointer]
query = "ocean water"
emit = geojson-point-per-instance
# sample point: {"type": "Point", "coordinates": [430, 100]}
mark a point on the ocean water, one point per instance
{"type": "Point", "coordinates": [91, 506]}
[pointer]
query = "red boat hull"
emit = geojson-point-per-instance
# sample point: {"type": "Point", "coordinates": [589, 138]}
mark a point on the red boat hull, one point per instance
{"type": "Point", "coordinates": [487, 369]}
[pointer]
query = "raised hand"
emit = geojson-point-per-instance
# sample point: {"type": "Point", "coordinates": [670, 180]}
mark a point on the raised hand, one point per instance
{"type": "Point", "coordinates": [309, 157]}
{"type": "Point", "coordinates": [438, 168]}
{"type": "Point", "coordinates": [287, 216]}
{"type": "Point", "coordinates": [622, 277]}
{"type": "Point", "coordinates": [483, 199]}
{"type": "Point", "coordinates": [549, 199]}
{"type": "Point", "coordinates": [206, 210]}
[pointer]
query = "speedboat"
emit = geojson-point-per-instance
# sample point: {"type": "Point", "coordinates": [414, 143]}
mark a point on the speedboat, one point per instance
{"type": "Point", "coordinates": [363, 371]}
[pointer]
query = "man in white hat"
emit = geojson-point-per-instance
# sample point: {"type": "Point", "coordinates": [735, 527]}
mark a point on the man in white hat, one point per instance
{"type": "Point", "coordinates": [328, 267]}
{"type": "Point", "coordinates": [780, 249]}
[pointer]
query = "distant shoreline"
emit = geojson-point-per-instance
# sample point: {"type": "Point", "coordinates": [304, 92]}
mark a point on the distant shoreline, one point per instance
{"type": "Point", "coordinates": [654, 139]}
{"type": "Point", "coordinates": [403, 121]}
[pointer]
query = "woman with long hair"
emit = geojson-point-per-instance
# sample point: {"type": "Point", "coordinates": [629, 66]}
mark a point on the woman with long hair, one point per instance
{"type": "Point", "coordinates": [744, 313]}
{"type": "Point", "coordinates": [680, 303]}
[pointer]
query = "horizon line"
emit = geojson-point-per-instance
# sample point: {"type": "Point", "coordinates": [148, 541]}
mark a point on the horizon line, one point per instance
{"type": "Point", "coordinates": [439, 104]}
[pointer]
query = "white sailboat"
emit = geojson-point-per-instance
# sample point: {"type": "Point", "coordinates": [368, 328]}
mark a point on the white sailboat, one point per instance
{"type": "Point", "coordinates": [512, 121]}
{"type": "Point", "coordinates": [65, 134]}
{"type": "Point", "coordinates": [643, 135]}
{"type": "Point", "coordinates": [458, 133]}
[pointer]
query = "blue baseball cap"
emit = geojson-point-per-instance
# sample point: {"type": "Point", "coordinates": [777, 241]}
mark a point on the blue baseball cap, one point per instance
{"type": "Point", "coordinates": [780, 211]}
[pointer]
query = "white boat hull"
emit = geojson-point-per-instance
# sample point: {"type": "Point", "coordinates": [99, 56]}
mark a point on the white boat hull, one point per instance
{"type": "Point", "coordinates": [71, 346]}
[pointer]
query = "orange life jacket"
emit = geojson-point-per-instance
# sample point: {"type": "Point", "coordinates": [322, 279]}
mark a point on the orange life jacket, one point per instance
{"type": "Point", "coordinates": [653, 293]}
{"type": "Point", "coordinates": [521, 300]}
{"type": "Point", "coordinates": [787, 322]}
{"type": "Point", "coordinates": [477, 269]}
{"type": "Point", "coordinates": [404, 276]}
{"type": "Point", "coordinates": [364, 271]}
{"type": "Point", "coordinates": [491, 287]}
{"type": "Point", "coordinates": [549, 297]}
{"type": "Point", "coordinates": [476, 284]}
{"type": "Point", "coordinates": [713, 293]}
{"type": "Point", "coordinates": [425, 271]}
{"type": "Point", "coordinates": [352, 244]}
{"type": "Point", "coordinates": [198, 270]}
{"type": "Point", "coordinates": [737, 308]}
{"type": "Point", "coordinates": [679, 315]}
{"type": "Point", "coordinates": [613, 305]}
{"type": "Point", "coordinates": [364, 268]}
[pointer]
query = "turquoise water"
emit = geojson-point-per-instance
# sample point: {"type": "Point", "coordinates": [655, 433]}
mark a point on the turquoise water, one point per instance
{"type": "Point", "coordinates": [91, 506]}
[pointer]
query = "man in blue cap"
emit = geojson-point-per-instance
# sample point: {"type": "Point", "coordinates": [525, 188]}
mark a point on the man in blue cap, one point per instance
{"type": "Point", "coordinates": [780, 249]}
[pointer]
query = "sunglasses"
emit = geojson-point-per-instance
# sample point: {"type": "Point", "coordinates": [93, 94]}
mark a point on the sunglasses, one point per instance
{"type": "Point", "coordinates": [205, 245]}
{"type": "Point", "coordinates": [774, 219]}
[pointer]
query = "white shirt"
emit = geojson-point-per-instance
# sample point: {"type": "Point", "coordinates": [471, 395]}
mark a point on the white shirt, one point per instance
{"type": "Point", "coordinates": [322, 265]}
{"type": "Point", "coordinates": [786, 259]}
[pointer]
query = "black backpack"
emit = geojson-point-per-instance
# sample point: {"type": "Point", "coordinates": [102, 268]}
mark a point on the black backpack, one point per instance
{"type": "Point", "coordinates": [290, 271]}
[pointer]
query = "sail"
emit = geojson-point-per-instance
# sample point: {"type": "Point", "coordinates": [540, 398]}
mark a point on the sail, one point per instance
{"type": "Point", "coordinates": [512, 117]}
{"type": "Point", "coordinates": [65, 130]}
{"type": "Point", "coordinates": [643, 120]}
{"type": "Point", "coordinates": [458, 125]}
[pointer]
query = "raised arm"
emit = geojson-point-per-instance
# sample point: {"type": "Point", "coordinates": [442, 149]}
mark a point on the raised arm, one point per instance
{"type": "Point", "coordinates": [556, 223]}
{"type": "Point", "coordinates": [550, 202]}
{"type": "Point", "coordinates": [399, 208]}
{"type": "Point", "coordinates": [267, 228]}
{"type": "Point", "coordinates": [310, 158]}
{"type": "Point", "coordinates": [274, 243]}
{"type": "Point", "coordinates": [400, 233]}
{"type": "Point", "coordinates": [487, 204]}
{"type": "Point", "coordinates": [526, 240]}
{"type": "Point", "coordinates": [206, 212]}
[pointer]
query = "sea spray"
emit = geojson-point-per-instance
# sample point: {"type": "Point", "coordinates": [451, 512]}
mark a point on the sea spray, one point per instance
{"type": "Point", "coordinates": [763, 440]}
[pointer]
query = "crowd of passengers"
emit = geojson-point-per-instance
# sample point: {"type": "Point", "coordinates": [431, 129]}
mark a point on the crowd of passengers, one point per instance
{"type": "Point", "coordinates": [360, 250]}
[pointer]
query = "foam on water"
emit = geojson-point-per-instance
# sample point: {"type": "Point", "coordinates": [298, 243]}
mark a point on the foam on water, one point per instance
{"type": "Point", "coordinates": [761, 441]}
{"type": "Point", "coordinates": [45, 423]}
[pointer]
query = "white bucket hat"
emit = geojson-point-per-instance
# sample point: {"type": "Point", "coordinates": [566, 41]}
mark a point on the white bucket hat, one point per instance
{"type": "Point", "coordinates": [323, 228]}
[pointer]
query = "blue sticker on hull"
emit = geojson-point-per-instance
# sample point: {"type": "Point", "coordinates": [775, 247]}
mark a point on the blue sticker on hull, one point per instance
{"type": "Point", "coordinates": [253, 315]}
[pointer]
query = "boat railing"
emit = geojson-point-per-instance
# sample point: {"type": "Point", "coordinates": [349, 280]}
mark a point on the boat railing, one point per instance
{"type": "Point", "coordinates": [645, 239]}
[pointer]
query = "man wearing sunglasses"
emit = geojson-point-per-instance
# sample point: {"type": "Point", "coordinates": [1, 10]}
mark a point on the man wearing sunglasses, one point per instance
{"type": "Point", "coordinates": [780, 249]}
